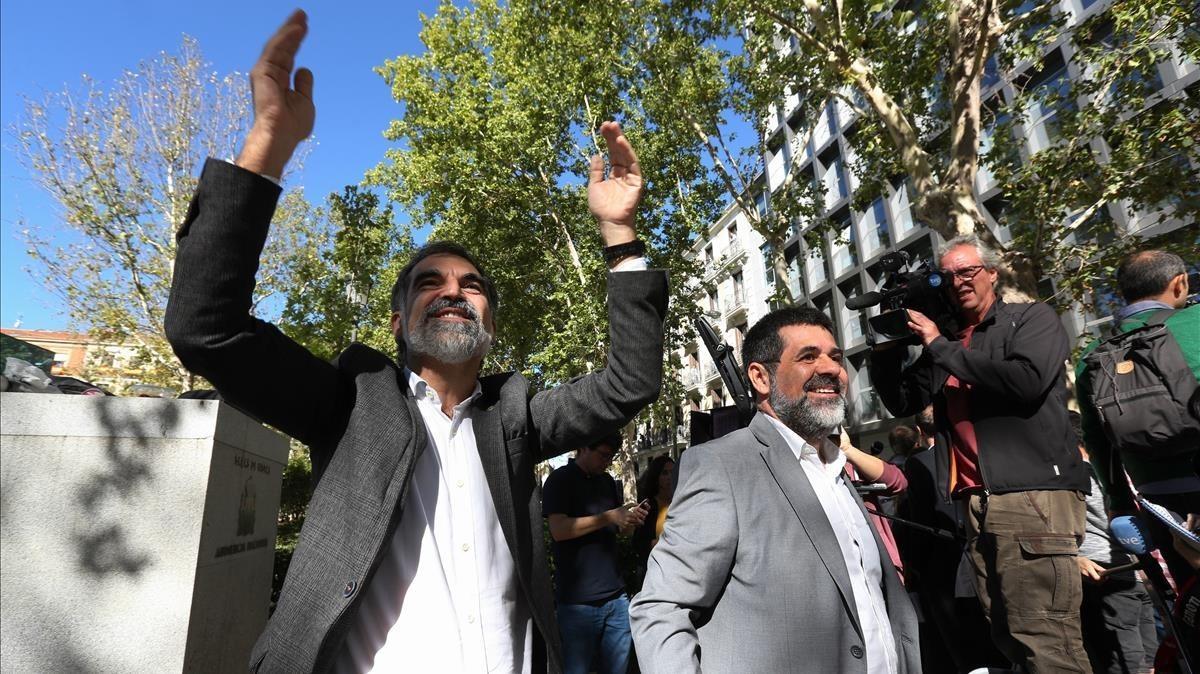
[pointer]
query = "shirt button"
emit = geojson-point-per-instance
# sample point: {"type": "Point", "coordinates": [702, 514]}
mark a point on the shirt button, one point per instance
{"type": "Point", "coordinates": [471, 618]}
{"type": "Point", "coordinates": [856, 651]}
{"type": "Point", "coordinates": [460, 483]}
{"type": "Point", "coordinates": [466, 547]}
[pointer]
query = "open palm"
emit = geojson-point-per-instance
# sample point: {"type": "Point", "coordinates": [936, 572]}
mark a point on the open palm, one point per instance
{"type": "Point", "coordinates": [614, 199]}
{"type": "Point", "coordinates": [283, 106]}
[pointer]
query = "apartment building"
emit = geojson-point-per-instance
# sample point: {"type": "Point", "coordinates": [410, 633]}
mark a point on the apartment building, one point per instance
{"type": "Point", "coordinates": [846, 261]}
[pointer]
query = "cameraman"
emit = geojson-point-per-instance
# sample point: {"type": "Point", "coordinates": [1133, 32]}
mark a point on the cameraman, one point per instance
{"type": "Point", "coordinates": [999, 399]}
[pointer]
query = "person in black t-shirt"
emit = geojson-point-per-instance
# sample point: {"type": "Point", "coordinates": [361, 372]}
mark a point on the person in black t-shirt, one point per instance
{"type": "Point", "coordinates": [582, 504]}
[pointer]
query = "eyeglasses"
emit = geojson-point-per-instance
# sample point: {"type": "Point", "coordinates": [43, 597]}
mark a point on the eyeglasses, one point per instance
{"type": "Point", "coordinates": [966, 273]}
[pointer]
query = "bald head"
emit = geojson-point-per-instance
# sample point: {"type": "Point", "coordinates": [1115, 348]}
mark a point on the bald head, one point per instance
{"type": "Point", "coordinates": [1153, 275]}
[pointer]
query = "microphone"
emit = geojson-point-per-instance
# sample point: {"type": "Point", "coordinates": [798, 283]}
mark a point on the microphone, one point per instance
{"type": "Point", "coordinates": [864, 300]}
{"type": "Point", "coordinates": [1131, 534]}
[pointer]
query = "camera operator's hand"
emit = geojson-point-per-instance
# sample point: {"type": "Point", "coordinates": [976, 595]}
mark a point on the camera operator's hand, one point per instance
{"type": "Point", "coordinates": [924, 328]}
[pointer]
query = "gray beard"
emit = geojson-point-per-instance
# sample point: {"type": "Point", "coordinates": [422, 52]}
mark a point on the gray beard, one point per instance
{"type": "Point", "coordinates": [450, 343]}
{"type": "Point", "coordinates": [808, 418]}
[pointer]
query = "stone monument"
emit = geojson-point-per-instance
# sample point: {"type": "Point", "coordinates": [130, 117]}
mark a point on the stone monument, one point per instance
{"type": "Point", "coordinates": [136, 534]}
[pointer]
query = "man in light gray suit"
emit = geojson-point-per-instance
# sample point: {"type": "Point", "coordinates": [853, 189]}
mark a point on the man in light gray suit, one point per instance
{"type": "Point", "coordinates": [422, 550]}
{"type": "Point", "coordinates": [767, 562]}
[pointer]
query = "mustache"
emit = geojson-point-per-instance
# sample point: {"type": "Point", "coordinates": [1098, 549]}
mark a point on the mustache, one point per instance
{"type": "Point", "coordinates": [824, 381]}
{"type": "Point", "coordinates": [447, 303]}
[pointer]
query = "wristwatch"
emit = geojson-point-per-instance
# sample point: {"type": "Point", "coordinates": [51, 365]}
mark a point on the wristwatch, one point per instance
{"type": "Point", "coordinates": [635, 248]}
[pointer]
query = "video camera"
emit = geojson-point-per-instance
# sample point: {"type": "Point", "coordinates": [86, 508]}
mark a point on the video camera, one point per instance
{"type": "Point", "coordinates": [908, 285]}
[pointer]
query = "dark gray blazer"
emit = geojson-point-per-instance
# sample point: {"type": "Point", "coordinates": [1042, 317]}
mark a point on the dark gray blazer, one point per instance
{"type": "Point", "coordinates": [748, 575]}
{"type": "Point", "coordinates": [365, 432]}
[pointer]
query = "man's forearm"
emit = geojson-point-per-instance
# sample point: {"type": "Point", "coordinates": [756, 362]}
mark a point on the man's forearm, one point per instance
{"type": "Point", "coordinates": [564, 528]}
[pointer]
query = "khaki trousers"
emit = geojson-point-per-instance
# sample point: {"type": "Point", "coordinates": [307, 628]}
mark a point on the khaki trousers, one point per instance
{"type": "Point", "coordinates": [1022, 547]}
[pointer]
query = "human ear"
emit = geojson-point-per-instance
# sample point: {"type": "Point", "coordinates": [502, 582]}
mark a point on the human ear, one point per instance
{"type": "Point", "coordinates": [760, 379]}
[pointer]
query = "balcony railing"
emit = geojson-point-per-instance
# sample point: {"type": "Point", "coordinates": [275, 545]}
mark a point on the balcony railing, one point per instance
{"type": "Point", "coordinates": [735, 303]}
{"type": "Point", "coordinates": [690, 377]}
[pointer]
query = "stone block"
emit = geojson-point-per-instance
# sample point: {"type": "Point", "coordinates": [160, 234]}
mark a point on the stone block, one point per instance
{"type": "Point", "coordinates": [136, 534]}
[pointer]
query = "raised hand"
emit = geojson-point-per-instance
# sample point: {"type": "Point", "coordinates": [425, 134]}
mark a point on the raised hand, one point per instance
{"type": "Point", "coordinates": [283, 105]}
{"type": "Point", "coordinates": [613, 200]}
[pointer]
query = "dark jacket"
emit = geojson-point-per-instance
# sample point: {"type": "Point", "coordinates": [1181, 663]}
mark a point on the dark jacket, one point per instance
{"type": "Point", "coordinates": [358, 417]}
{"type": "Point", "coordinates": [1018, 398]}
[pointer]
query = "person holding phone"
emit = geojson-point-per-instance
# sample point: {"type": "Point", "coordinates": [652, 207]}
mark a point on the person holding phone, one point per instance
{"type": "Point", "coordinates": [655, 487]}
{"type": "Point", "coordinates": [583, 506]}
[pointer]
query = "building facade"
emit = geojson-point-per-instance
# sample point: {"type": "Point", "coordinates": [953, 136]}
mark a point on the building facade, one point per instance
{"type": "Point", "coordinates": [846, 261]}
{"type": "Point", "coordinates": [109, 364]}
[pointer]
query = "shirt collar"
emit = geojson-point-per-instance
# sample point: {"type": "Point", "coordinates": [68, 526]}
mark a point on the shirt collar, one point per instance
{"type": "Point", "coordinates": [828, 456]}
{"type": "Point", "coordinates": [1139, 307]}
{"type": "Point", "coordinates": [423, 392]}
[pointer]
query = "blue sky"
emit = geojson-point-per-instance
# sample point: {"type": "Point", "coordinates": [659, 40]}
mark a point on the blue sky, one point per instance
{"type": "Point", "coordinates": [46, 46]}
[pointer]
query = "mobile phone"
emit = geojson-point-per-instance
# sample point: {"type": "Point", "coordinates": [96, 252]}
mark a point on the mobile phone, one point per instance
{"type": "Point", "coordinates": [644, 504]}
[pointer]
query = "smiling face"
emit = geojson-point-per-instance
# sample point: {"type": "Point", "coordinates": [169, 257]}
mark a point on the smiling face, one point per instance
{"type": "Point", "coordinates": [806, 388]}
{"type": "Point", "coordinates": [974, 284]}
{"type": "Point", "coordinates": [446, 315]}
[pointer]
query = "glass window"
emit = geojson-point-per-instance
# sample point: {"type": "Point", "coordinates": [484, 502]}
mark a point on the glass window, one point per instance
{"type": "Point", "coordinates": [824, 128]}
{"type": "Point", "coordinates": [874, 230]}
{"type": "Point", "coordinates": [835, 182]}
{"type": "Point", "coordinates": [793, 268]}
{"type": "Point", "coordinates": [768, 264]}
{"type": "Point", "coordinates": [760, 202]}
{"type": "Point", "coordinates": [901, 211]}
{"type": "Point", "coordinates": [816, 268]}
{"type": "Point", "coordinates": [854, 322]}
{"type": "Point", "coordinates": [1050, 97]}
{"type": "Point", "coordinates": [844, 254]}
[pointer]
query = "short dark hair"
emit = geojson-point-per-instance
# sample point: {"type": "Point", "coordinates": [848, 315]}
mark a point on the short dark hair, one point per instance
{"type": "Point", "coordinates": [613, 441]}
{"type": "Point", "coordinates": [763, 342]}
{"type": "Point", "coordinates": [904, 439]}
{"type": "Point", "coordinates": [400, 287]}
{"type": "Point", "coordinates": [1148, 273]}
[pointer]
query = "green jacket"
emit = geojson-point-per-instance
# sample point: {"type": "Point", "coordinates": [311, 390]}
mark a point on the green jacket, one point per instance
{"type": "Point", "coordinates": [1185, 326]}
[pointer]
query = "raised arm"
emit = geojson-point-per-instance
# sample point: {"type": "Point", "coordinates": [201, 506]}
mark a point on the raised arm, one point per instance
{"type": "Point", "coordinates": [577, 412]}
{"type": "Point", "coordinates": [1034, 361]}
{"type": "Point", "coordinates": [208, 320]}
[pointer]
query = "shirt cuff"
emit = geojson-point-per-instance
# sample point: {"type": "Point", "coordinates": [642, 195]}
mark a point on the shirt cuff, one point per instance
{"type": "Point", "coordinates": [632, 264]}
{"type": "Point", "coordinates": [277, 181]}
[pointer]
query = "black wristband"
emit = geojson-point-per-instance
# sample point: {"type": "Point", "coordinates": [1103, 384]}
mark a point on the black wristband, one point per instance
{"type": "Point", "coordinates": [637, 248]}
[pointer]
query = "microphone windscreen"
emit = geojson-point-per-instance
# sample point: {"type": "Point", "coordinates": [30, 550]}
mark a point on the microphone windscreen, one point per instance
{"type": "Point", "coordinates": [864, 300]}
{"type": "Point", "coordinates": [1131, 534]}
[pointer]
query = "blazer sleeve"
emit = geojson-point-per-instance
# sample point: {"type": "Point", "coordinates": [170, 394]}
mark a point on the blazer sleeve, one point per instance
{"type": "Point", "coordinates": [209, 322]}
{"type": "Point", "coordinates": [577, 412]}
{"type": "Point", "coordinates": [1032, 363]}
{"type": "Point", "coordinates": [688, 568]}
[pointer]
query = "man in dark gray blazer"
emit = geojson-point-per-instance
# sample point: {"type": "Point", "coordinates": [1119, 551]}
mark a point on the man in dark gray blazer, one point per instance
{"type": "Point", "coordinates": [768, 562]}
{"type": "Point", "coordinates": [423, 547]}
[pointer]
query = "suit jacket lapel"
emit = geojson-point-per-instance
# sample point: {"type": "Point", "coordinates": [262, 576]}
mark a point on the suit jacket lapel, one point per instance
{"type": "Point", "coordinates": [489, 440]}
{"type": "Point", "coordinates": [790, 477]}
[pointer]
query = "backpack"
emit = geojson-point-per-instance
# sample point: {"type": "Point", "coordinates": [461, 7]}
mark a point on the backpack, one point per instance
{"type": "Point", "coordinates": [1144, 392]}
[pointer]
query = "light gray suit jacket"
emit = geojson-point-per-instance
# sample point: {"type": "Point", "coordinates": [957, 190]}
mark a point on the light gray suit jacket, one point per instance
{"type": "Point", "coordinates": [748, 576]}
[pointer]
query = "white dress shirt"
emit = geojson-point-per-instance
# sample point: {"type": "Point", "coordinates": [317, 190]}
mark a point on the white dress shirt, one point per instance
{"type": "Point", "coordinates": [445, 597]}
{"type": "Point", "coordinates": [823, 468]}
